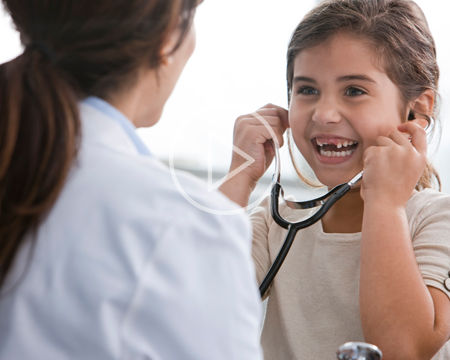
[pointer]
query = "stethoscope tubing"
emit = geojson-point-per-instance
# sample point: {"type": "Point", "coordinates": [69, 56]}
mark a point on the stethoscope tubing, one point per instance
{"type": "Point", "coordinates": [265, 284]}
{"type": "Point", "coordinates": [334, 195]}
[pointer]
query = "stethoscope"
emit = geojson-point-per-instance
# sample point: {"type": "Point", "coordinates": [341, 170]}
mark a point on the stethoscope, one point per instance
{"type": "Point", "coordinates": [325, 202]}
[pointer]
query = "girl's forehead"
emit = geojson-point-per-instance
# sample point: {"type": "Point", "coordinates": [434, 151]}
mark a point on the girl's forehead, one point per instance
{"type": "Point", "coordinates": [339, 52]}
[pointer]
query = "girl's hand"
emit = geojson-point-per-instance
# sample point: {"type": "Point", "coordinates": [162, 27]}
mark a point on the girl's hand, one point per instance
{"type": "Point", "coordinates": [393, 167]}
{"type": "Point", "coordinates": [253, 134]}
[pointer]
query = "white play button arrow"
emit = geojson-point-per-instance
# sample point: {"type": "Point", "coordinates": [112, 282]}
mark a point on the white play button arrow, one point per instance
{"type": "Point", "coordinates": [214, 185]}
{"type": "Point", "coordinates": [211, 143]}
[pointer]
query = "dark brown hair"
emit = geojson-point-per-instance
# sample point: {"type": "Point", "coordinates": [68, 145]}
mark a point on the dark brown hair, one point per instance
{"type": "Point", "coordinates": [73, 49]}
{"type": "Point", "coordinates": [398, 31]}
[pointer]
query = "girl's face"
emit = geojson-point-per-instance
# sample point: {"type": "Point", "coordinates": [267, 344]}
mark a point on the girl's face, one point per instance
{"type": "Point", "coordinates": [341, 101]}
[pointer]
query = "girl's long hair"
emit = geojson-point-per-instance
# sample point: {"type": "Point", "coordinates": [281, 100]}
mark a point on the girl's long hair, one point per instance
{"type": "Point", "coordinates": [73, 49]}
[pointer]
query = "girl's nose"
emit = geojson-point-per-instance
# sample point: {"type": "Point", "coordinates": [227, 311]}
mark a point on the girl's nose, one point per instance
{"type": "Point", "coordinates": [326, 112]}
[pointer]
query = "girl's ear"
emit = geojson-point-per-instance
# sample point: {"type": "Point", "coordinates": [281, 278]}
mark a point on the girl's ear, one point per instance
{"type": "Point", "coordinates": [423, 105]}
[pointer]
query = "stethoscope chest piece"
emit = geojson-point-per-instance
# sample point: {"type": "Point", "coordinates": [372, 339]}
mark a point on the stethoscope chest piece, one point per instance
{"type": "Point", "coordinates": [447, 282]}
{"type": "Point", "coordinates": [358, 351]}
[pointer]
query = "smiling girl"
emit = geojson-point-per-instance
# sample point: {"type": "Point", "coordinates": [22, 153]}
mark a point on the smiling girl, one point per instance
{"type": "Point", "coordinates": [362, 80]}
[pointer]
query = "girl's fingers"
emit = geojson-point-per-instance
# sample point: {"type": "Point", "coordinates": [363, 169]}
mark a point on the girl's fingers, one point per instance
{"type": "Point", "coordinates": [271, 120]}
{"type": "Point", "coordinates": [269, 135]}
{"type": "Point", "coordinates": [400, 138]}
{"type": "Point", "coordinates": [262, 133]}
{"type": "Point", "coordinates": [278, 111]}
{"type": "Point", "coordinates": [269, 125]}
{"type": "Point", "coordinates": [266, 119]}
{"type": "Point", "coordinates": [410, 133]}
{"type": "Point", "coordinates": [423, 123]}
{"type": "Point", "coordinates": [384, 141]}
{"type": "Point", "coordinates": [417, 133]}
{"type": "Point", "coordinates": [284, 116]}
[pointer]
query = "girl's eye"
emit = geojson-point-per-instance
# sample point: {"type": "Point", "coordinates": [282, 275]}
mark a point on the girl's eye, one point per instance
{"type": "Point", "coordinates": [307, 90]}
{"type": "Point", "coordinates": [353, 91]}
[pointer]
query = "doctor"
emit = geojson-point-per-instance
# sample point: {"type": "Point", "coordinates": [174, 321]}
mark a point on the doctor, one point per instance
{"type": "Point", "coordinates": [100, 256]}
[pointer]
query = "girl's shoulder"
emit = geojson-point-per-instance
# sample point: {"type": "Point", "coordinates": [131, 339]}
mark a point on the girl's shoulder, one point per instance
{"type": "Point", "coordinates": [428, 207]}
{"type": "Point", "coordinates": [429, 221]}
{"type": "Point", "coordinates": [428, 199]}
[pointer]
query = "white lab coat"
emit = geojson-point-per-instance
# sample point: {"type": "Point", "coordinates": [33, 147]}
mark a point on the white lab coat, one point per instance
{"type": "Point", "coordinates": [125, 268]}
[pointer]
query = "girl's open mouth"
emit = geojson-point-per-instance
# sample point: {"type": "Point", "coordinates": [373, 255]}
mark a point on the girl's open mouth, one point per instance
{"type": "Point", "coordinates": [334, 149]}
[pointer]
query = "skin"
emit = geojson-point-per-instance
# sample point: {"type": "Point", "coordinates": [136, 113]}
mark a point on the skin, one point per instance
{"type": "Point", "coordinates": [155, 84]}
{"type": "Point", "coordinates": [340, 91]}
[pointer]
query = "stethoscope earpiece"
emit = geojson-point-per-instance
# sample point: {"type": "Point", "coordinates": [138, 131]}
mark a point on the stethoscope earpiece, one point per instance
{"type": "Point", "coordinates": [428, 118]}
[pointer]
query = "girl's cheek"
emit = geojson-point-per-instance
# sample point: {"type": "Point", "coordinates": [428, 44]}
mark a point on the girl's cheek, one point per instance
{"type": "Point", "coordinates": [297, 123]}
{"type": "Point", "coordinates": [293, 113]}
{"type": "Point", "coordinates": [294, 128]}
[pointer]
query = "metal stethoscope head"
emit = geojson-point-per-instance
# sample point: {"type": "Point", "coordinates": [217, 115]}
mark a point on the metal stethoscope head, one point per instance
{"type": "Point", "coordinates": [323, 203]}
{"type": "Point", "coordinates": [359, 351]}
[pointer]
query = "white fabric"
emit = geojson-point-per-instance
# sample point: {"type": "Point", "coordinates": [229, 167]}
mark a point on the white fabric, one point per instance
{"type": "Point", "coordinates": [125, 268]}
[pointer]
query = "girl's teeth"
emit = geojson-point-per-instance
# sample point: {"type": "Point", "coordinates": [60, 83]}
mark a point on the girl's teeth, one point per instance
{"type": "Point", "coordinates": [336, 153]}
{"type": "Point", "coordinates": [339, 145]}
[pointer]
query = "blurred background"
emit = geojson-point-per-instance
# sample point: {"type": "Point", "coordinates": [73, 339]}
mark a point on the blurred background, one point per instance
{"type": "Point", "coordinates": [238, 66]}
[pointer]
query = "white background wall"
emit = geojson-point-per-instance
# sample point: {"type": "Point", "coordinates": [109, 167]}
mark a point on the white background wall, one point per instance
{"type": "Point", "coordinates": [238, 66]}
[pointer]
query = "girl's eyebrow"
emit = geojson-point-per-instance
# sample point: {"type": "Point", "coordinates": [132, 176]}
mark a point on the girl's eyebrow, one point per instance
{"type": "Point", "coordinates": [304, 79]}
{"type": "Point", "coordinates": [355, 77]}
{"type": "Point", "coordinates": [339, 79]}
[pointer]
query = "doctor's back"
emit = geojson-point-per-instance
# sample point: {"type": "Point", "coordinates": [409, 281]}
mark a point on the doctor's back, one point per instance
{"type": "Point", "coordinates": [101, 255]}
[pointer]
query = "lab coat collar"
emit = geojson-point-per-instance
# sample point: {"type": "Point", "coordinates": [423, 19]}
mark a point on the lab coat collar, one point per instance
{"type": "Point", "coordinates": [103, 123]}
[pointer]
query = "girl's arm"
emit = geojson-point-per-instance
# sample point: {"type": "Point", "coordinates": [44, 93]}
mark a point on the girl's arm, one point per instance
{"type": "Point", "coordinates": [399, 313]}
{"type": "Point", "coordinates": [253, 135]}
